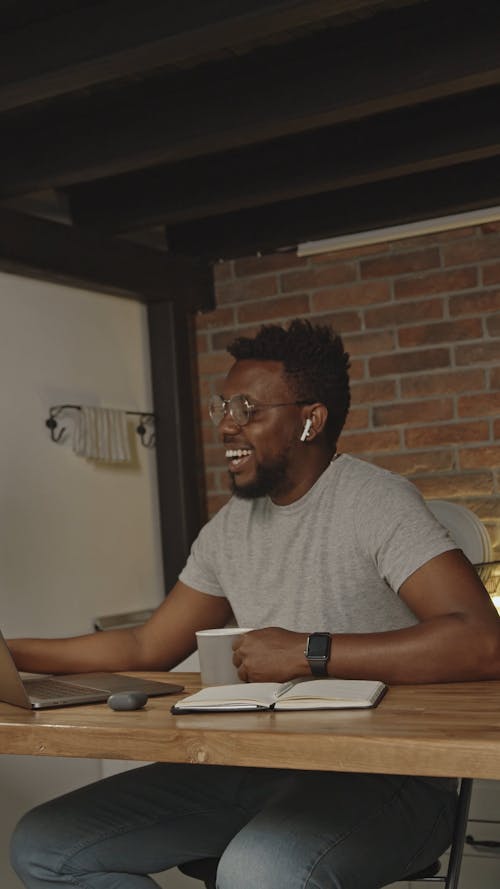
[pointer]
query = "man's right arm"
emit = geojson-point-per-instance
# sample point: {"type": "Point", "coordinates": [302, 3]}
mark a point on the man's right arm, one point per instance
{"type": "Point", "coordinates": [159, 644]}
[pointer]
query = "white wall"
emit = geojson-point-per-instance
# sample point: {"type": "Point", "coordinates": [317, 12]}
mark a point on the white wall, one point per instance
{"type": "Point", "coordinates": [76, 539]}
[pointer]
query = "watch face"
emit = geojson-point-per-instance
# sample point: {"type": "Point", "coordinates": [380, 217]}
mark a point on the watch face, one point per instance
{"type": "Point", "coordinates": [318, 645]}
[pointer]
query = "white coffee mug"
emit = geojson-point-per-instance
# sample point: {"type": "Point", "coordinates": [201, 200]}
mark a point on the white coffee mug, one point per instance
{"type": "Point", "coordinates": [215, 648]}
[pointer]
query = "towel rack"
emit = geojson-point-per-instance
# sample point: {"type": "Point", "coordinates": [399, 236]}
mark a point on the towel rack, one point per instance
{"type": "Point", "coordinates": [146, 418]}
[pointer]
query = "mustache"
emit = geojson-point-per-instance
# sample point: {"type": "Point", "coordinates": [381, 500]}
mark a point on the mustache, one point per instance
{"type": "Point", "coordinates": [235, 442]}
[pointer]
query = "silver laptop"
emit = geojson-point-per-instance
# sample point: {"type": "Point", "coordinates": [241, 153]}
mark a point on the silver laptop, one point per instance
{"type": "Point", "coordinates": [67, 690]}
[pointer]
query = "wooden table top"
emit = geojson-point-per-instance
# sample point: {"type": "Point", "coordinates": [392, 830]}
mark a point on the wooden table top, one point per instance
{"type": "Point", "coordinates": [447, 730]}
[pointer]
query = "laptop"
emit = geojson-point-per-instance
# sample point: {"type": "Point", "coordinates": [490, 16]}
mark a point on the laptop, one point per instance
{"type": "Point", "coordinates": [64, 691]}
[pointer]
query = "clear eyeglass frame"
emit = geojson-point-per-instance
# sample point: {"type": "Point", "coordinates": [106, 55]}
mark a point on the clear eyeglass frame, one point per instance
{"type": "Point", "coordinates": [240, 408]}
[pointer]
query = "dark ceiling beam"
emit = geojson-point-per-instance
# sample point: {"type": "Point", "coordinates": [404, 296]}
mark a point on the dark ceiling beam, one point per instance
{"type": "Point", "coordinates": [78, 48]}
{"type": "Point", "coordinates": [393, 60]}
{"type": "Point", "coordinates": [376, 205]}
{"type": "Point", "coordinates": [400, 143]}
{"type": "Point", "coordinates": [53, 252]}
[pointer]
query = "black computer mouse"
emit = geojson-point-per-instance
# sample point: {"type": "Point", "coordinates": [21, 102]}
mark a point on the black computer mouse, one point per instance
{"type": "Point", "coordinates": [127, 700]}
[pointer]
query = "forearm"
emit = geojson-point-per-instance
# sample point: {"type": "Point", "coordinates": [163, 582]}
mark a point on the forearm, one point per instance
{"type": "Point", "coordinates": [445, 649]}
{"type": "Point", "coordinates": [110, 650]}
{"type": "Point", "coordinates": [449, 648]}
{"type": "Point", "coordinates": [160, 644]}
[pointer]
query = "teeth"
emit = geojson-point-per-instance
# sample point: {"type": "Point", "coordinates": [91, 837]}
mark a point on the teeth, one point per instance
{"type": "Point", "coordinates": [241, 452]}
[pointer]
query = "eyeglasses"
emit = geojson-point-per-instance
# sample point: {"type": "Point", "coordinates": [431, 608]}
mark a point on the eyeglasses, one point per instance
{"type": "Point", "coordinates": [240, 408]}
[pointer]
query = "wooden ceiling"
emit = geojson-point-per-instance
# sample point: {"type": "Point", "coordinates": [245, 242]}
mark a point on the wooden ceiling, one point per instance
{"type": "Point", "coordinates": [140, 140]}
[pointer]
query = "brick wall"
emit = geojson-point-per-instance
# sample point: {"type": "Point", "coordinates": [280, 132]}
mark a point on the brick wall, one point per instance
{"type": "Point", "coordinates": [421, 320]}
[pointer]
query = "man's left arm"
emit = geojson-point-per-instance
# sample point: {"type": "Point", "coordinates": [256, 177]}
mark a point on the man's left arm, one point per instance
{"type": "Point", "coordinates": [457, 637]}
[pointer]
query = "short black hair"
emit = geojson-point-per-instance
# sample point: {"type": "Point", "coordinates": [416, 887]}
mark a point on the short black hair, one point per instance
{"type": "Point", "coordinates": [314, 361]}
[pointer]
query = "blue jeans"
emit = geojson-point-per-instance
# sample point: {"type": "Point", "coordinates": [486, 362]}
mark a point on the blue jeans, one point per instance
{"type": "Point", "coordinates": [272, 828]}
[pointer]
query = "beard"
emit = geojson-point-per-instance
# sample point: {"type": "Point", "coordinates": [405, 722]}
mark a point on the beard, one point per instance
{"type": "Point", "coordinates": [270, 478]}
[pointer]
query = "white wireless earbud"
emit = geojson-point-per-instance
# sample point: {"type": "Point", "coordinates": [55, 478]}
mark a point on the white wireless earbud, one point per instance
{"type": "Point", "coordinates": [305, 431]}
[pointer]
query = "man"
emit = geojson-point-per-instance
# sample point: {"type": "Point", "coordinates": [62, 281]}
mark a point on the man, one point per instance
{"type": "Point", "coordinates": [312, 543]}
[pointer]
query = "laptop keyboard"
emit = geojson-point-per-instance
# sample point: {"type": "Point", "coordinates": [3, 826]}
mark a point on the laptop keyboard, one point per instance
{"type": "Point", "coordinates": [46, 689]}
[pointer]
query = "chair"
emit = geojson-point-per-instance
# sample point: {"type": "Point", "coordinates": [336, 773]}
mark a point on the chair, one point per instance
{"type": "Point", "coordinates": [205, 869]}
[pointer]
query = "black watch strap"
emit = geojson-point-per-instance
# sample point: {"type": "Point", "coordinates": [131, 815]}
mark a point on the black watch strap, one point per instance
{"type": "Point", "coordinates": [317, 652]}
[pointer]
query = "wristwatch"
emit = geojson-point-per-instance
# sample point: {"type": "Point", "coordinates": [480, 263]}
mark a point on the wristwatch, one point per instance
{"type": "Point", "coordinates": [317, 652]}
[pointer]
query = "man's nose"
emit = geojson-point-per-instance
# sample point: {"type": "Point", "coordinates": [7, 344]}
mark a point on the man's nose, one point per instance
{"type": "Point", "coordinates": [228, 426]}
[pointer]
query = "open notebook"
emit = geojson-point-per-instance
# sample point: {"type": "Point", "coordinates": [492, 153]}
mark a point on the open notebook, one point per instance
{"type": "Point", "coordinates": [65, 691]}
{"type": "Point", "coordinates": [299, 694]}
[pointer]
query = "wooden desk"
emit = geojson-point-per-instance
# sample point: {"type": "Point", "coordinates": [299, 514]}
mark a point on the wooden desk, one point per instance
{"type": "Point", "coordinates": [448, 730]}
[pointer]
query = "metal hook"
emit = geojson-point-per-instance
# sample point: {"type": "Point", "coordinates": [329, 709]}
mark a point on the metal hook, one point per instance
{"type": "Point", "coordinates": [141, 431]}
{"type": "Point", "coordinates": [51, 423]}
{"type": "Point", "coordinates": [145, 419]}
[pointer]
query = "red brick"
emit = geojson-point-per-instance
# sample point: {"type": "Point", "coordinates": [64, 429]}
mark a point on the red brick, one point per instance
{"type": "Point", "coordinates": [223, 271]}
{"type": "Point", "coordinates": [222, 481]}
{"type": "Point", "coordinates": [404, 313]}
{"type": "Point", "coordinates": [485, 507]}
{"type": "Point", "coordinates": [400, 264]}
{"type": "Point", "coordinates": [272, 262]}
{"type": "Point", "coordinates": [490, 227]}
{"type": "Point", "coordinates": [356, 295]}
{"type": "Point", "coordinates": [369, 442]}
{"type": "Point", "coordinates": [209, 434]}
{"type": "Point", "coordinates": [272, 309]}
{"type": "Point", "coordinates": [457, 234]}
{"type": "Point", "coordinates": [223, 338]}
{"type": "Point", "coordinates": [440, 332]}
{"type": "Point", "coordinates": [475, 303]}
{"type": "Point", "coordinates": [493, 327]}
{"type": "Point", "coordinates": [443, 383]}
{"type": "Point", "coordinates": [214, 362]}
{"type": "Point", "coordinates": [484, 405]}
{"type": "Point", "coordinates": [417, 462]}
{"type": "Point", "coordinates": [495, 378]}
{"type": "Point", "coordinates": [380, 390]}
{"type": "Point", "coordinates": [478, 458]}
{"type": "Point", "coordinates": [413, 412]}
{"type": "Point", "coordinates": [357, 418]}
{"type": "Point", "coordinates": [404, 245]}
{"type": "Point", "coordinates": [408, 362]}
{"type": "Point", "coordinates": [491, 274]}
{"type": "Point", "coordinates": [437, 282]}
{"type": "Point", "coordinates": [471, 251]}
{"type": "Point", "coordinates": [202, 344]}
{"type": "Point", "coordinates": [249, 288]}
{"type": "Point", "coordinates": [223, 317]}
{"type": "Point", "coordinates": [214, 456]}
{"type": "Point", "coordinates": [350, 253]}
{"type": "Point", "coordinates": [369, 343]}
{"type": "Point", "coordinates": [450, 234]}
{"type": "Point", "coordinates": [447, 487]}
{"type": "Point", "coordinates": [357, 369]}
{"type": "Point", "coordinates": [313, 277]}
{"type": "Point", "coordinates": [343, 322]}
{"type": "Point", "coordinates": [451, 433]}
{"type": "Point", "coordinates": [496, 430]}
{"type": "Point", "coordinates": [476, 354]}
{"type": "Point", "coordinates": [204, 389]}
{"type": "Point", "coordinates": [210, 480]}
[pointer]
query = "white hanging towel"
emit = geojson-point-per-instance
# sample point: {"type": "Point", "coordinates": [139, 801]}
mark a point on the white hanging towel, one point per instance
{"type": "Point", "coordinates": [100, 433]}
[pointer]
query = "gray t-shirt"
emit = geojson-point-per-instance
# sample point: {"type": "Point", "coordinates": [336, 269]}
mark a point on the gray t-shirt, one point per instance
{"type": "Point", "coordinates": [332, 561]}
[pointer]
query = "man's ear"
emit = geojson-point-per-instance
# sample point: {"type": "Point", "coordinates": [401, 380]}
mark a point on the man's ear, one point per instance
{"type": "Point", "coordinates": [317, 414]}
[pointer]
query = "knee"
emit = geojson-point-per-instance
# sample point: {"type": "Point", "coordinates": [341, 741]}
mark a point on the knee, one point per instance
{"type": "Point", "coordinates": [241, 867]}
{"type": "Point", "coordinates": [268, 864]}
{"type": "Point", "coordinates": [29, 845]}
{"type": "Point", "coordinates": [246, 865]}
